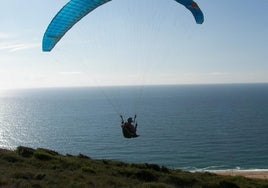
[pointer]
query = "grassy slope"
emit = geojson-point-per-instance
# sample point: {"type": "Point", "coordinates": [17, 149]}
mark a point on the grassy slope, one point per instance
{"type": "Point", "coordinates": [26, 167]}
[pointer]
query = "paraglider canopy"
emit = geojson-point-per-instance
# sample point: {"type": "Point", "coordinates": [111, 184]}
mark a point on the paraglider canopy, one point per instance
{"type": "Point", "coordinates": [75, 10]}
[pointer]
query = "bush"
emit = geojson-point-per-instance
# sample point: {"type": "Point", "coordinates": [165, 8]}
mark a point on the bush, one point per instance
{"type": "Point", "coordinates": [164, 169]}
{"type": "Point", "coordinates": [153, 166]}
{"type": "Point", "coordinates": [25, 151]}
{"type": "Point", "coordinates": [88, 170]}
{"type": "Point", "coordinates": [42, 156]}
{"type": "Point", "coordinates": [227, 184]}
{"type": "Point", "coordinates": [146, 175]}
{"type": "Point", "coordinates": [155, 185]}
{"type": "Point", "coordinates": [40, 176]}
{"type": "Point", "coordinates": [181, 181]}
{"type": "Point", "coordinates": [82, 156]}
{"type": "Point", "coordinates": [51, 152]}
{"type": "Point", "coordinates": [23, 175]}
{"type": "Point", "coordinates": [11, 159]}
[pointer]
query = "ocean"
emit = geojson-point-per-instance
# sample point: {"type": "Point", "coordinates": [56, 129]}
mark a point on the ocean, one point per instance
{"type": "Point", "coordinates": [189, 127]}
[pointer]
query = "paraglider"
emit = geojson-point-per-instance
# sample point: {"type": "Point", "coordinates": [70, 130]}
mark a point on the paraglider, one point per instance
{"type": "Point", "coordinates": [75, 10]}
{"type": "Point", "coordinates": [129, 127]}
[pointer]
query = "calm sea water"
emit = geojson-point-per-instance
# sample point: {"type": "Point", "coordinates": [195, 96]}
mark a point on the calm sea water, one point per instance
{"type": "Point", "coordinates": [191, 127]}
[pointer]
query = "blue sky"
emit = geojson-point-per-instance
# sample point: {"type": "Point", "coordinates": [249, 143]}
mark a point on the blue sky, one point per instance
{"type": "Point", "coordinates": [126, 42]}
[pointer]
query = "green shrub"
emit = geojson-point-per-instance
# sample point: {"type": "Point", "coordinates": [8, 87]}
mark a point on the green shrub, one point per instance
{"type": "Point", "coordinates": [51, 152]}
{"type": "Point", "coordinates": [88, 170]}
{"type": "Point", "coordinates": [42, 156]}
{"type": "Point", "coordinates": [25, 151]}
{"type": "Point", "coordinates": [227, 184]}
{"type": "Point", "coordinates": [82, 156]}
{"type": "Point", "coordinates": [146, 175]}
{"type": "Point", "coordinates": [155, 185]}
{"type": "Point", "coordinates": [181, 181]}
{"type": "Point", "coordinates": [164, 169]}
{"type": "Point", "coordinates": [23, 175]}
{"type": "Point", "coordinates": [153, 166]}
{"type": "Point", "coordinates": [40, 176]}
{"type": "Point", "coordinates": [10, 158]}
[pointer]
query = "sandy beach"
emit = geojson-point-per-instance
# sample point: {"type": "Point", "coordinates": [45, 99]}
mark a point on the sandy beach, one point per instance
{"type": "Point", "coordinates": [257, 174]}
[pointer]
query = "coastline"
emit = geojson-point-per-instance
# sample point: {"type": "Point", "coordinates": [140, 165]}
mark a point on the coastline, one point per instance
{"type": "Point", "coordinates": [256, 174]}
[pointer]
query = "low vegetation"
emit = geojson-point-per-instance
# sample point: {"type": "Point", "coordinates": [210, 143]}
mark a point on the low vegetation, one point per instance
{"type": "Point", "coordinates": [27, 167]}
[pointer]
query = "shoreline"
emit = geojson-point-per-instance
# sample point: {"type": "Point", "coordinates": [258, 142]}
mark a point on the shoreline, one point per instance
{"type": "Point", "coordinates": [255, 174]}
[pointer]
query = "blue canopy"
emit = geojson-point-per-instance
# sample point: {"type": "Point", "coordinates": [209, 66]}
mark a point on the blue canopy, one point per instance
{"type": "Point", "coordinates": [194, 8]}
{"type": "Point", "coordinates": [75, 10]}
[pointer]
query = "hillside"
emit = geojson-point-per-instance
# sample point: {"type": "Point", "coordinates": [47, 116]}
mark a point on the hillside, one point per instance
{"type": "Point", "coordinates": [27, 167]}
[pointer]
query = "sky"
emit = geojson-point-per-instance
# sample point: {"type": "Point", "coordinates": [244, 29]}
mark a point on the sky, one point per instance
{"type": "Point", "coordinates": [140, 42]}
